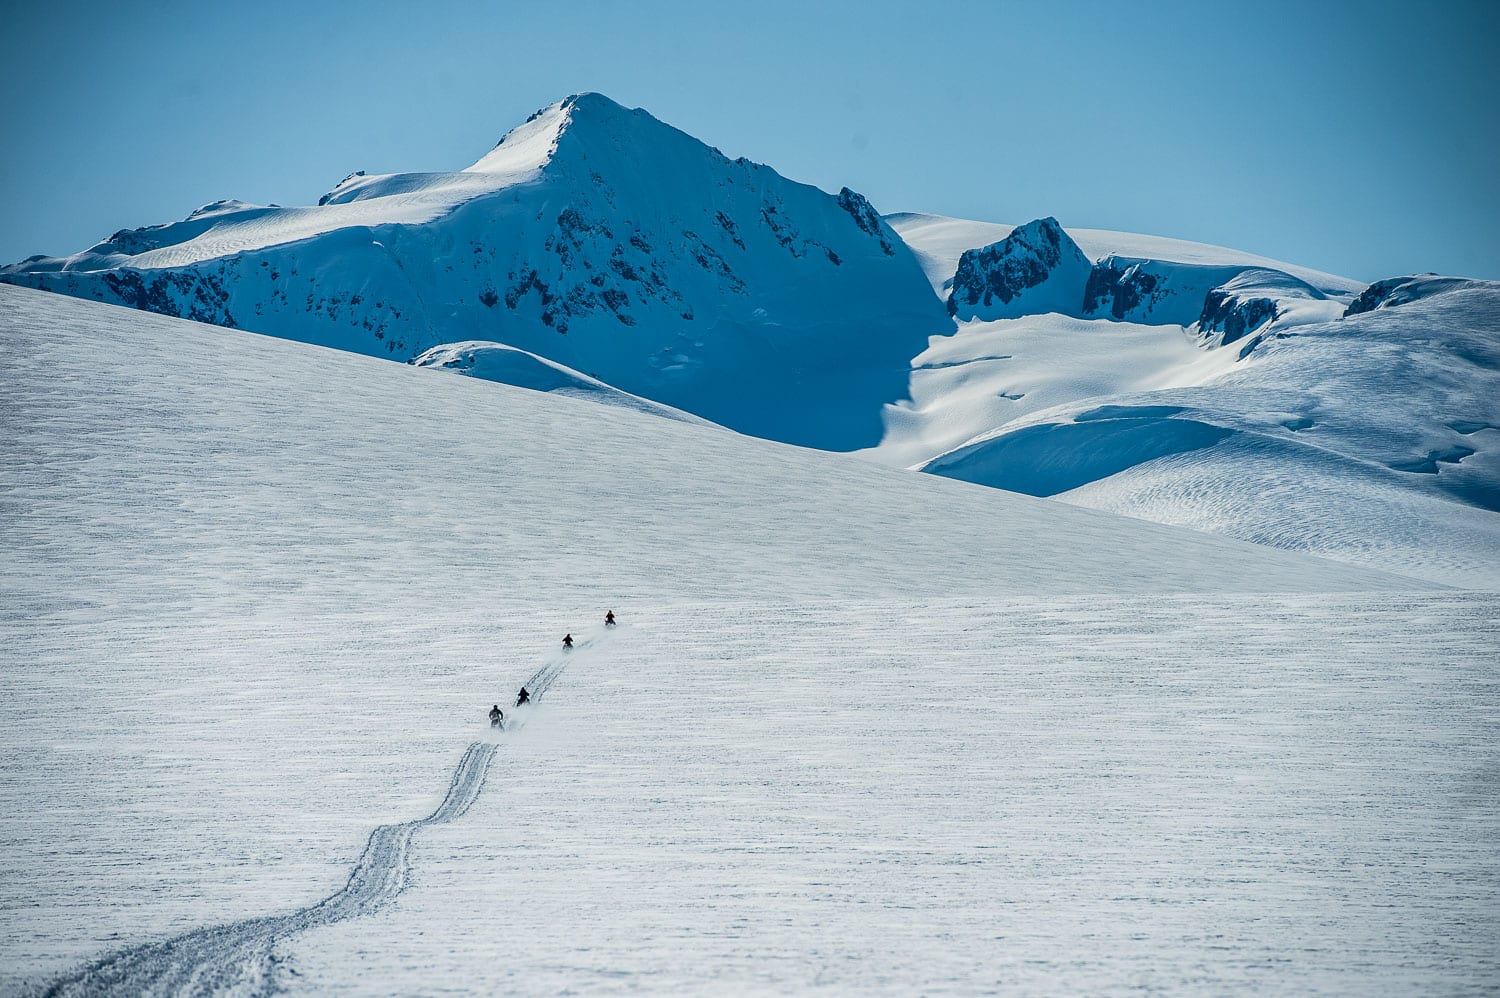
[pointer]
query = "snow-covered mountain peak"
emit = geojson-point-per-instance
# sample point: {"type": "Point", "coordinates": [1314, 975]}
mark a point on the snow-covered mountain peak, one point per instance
{"type": "Point", "coordinates": [591, 235]}
{"type": "Point", "coordinates": [532, 143]}
{"type": "Point", "coordinates": [1041, 233]}
{"type": "Point", "coordinates": [591, 134]}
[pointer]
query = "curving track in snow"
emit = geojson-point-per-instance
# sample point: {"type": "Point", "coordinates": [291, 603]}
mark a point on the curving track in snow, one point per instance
{"type": "Point", "coordinates": [542, 679]}
{"type": "Point", "coordinates": [242, 956]}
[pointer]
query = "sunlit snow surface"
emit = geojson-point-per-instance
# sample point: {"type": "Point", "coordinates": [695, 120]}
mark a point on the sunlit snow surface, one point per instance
{"type": "Point", "coordinates": [860, 729]}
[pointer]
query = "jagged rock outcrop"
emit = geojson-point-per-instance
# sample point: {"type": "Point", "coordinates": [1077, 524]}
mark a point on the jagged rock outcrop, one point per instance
{"type": "Point", "coordinates": [867, 218]}
{"type": "Point", "coordinates": [1158, 292]}
{"type": "Point", "coordinates": [1120, 289]}
{"type": "Point", "coordinates": [1037, 268]}
{"type": "Point", "coordinates": [1230, 317]}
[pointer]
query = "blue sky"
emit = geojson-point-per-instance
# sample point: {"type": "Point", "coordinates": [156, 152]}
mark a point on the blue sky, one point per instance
{"type": "Point", "coordinates": [1359, 138]}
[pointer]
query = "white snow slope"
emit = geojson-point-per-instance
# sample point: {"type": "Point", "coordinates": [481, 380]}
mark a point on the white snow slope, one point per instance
{"type": "Point", "coordinates": [859, 729]}
{"type": "Point", "coordinates": [1236, 397]}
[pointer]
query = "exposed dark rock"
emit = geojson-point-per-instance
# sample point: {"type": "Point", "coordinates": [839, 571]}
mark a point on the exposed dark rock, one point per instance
{"type": "Point", "coordinates": [783, 230]}
{"type": "Point", "coordinates": [1003, 270]}
{"type": "Point", "coordinates": [1120, 290]}
{"type": "Point", "coordinates": [1227, 313]}
{"type": "Point", "coordinates": [727, 224]}
{"type": "Point", "coordinates": [182, 294]}
{"type": "Point", "coordinates": [865, 216]}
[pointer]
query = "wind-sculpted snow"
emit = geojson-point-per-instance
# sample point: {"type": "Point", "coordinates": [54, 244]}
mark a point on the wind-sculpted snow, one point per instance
{"type": "Point", "coordinates": [510, 366]}
{"type": "Point", "coordinates": [1043, 459]}
{"type": "Point", "coordinates": [242, 958]}
{"type": "Point", "coordinates": [1368, 438]}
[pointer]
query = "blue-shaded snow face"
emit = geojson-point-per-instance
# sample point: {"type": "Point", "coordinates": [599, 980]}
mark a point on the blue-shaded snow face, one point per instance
{"type": "Point", "coordinates": [1047, 458]}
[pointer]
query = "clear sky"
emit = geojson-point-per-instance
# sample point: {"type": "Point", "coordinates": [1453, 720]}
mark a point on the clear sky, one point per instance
{"type": "Point", "coordinates": [1360, 138]}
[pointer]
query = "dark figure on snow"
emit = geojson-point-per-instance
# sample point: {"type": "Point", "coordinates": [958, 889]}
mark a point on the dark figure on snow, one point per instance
{"type": "Point", "coordinates": [523, 697]}
{"type": "Point", "coordinates": [567, 641]}
{"type": "Point", "coordinates": [609, 618]}
{"type": "Point", "coordinates": [497, 717]}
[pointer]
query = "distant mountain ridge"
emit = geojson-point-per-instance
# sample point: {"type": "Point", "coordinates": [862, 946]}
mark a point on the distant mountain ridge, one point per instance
{"type": "Point", "coordinates": [1039, 268]}
{"type": "Point", "coordinates": [1223, 392]}
{"type": "Point", "coordinates": [598, 253]}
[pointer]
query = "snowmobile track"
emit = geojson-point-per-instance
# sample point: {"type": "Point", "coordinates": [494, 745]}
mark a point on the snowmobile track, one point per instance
{"type": "Point", "coordinates": [542, 679]}
{"type": "Point", "coordinates": [242, 955]}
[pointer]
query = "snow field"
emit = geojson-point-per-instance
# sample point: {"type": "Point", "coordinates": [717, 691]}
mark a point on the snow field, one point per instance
{"type": "Point", "coordinates": [1068, 794]}
{"type": "Point", "coordinates": [255, 598]}
{"type": "Point", "coordinates": [989, 374]}
{"type": "Point", "coordinates": [1196, 795]}
{"type": "Point", "coordinates": [174, 465]}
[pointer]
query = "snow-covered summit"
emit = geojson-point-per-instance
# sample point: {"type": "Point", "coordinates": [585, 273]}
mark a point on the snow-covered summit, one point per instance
{"type": "Point", "coordinates": [592, 235]}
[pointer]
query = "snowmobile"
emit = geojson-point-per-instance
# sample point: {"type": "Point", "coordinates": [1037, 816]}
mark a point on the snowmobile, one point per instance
{"type": "Point", "coordinates": [497, 717]}
{"type": "Point", "coordinates": [523, 697]}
